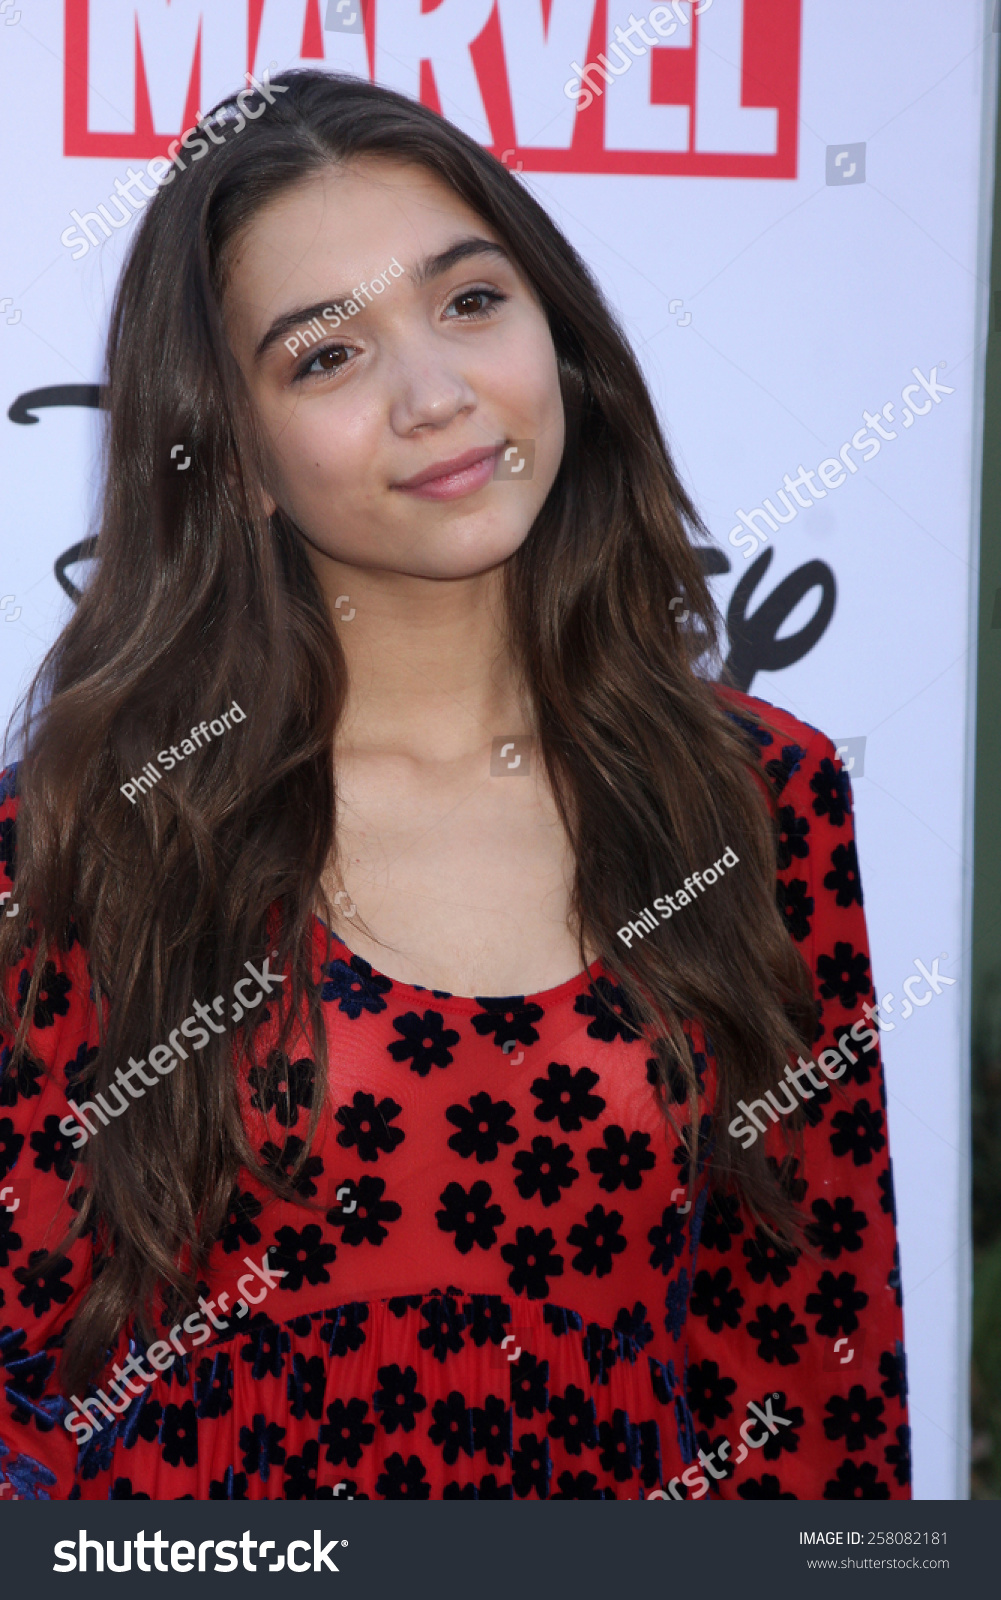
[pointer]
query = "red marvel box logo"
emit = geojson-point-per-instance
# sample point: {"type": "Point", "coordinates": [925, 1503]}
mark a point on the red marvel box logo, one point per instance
{"type": "Point", "coordinates": [701, 87]}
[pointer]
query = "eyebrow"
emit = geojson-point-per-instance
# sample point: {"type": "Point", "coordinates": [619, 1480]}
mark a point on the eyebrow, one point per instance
{"type": "Point", "coordinates": [423, 273]}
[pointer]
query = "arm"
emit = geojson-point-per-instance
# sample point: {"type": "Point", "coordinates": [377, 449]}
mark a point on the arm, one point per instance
{"type": "Point", "coordinates": [38, 1176]}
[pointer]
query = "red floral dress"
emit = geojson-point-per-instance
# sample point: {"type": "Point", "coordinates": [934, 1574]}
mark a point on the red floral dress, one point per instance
{"type": "Point", "coordinates": [499, 1288]}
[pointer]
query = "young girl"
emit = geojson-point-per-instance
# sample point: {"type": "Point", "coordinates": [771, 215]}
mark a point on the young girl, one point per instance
{"type": "Point", "coordinates": [398, 1094]}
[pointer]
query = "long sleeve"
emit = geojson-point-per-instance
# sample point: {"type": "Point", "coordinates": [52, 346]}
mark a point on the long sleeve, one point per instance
{"type": "Point", "coordinates": [37, 1189]}
{"type": "Point", "coordinates": [818, 1335]}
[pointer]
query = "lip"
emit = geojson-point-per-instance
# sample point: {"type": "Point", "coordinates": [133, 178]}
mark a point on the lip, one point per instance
{"type": "Point", "coordinates": [447, 480]}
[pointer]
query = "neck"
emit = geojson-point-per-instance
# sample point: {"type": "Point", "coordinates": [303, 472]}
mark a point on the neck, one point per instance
{"type": "Point", "coordinates": [430, 670]}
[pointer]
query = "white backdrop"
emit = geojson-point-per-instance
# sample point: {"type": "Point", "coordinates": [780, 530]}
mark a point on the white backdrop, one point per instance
{"type": "Point", "coordinates": [774, 292]}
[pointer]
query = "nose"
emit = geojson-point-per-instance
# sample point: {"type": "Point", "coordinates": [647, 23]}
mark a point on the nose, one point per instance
{"type": "Point", "coordinates": [431, 391]}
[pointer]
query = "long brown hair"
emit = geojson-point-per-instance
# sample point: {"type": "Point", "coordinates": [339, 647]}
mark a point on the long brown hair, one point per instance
{"type": "Point", "coordinates": [199, 599]}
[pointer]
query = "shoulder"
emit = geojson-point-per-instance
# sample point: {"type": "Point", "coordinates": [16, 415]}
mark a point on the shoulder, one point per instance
{"type": "Point", "coordinates": [793, 755]}
{"type": "Point", "coordinates": [62, 1013]}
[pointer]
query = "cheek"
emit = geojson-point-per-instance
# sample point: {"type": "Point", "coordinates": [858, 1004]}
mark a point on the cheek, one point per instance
{"type": "Point", "coordinates": [320, 449]}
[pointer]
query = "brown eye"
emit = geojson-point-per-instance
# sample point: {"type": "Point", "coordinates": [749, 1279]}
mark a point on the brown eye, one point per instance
{"type": "Point", "coordinates": [330, 360]}
{"type": "Point", "coordinates": [471, 302]}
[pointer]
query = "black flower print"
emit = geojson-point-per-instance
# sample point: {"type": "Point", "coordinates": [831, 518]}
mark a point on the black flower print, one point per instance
{"type": "Point", "coordinates": [303, 1257]}
{"type": "Point", "coordinates": [52, 991]}
{"type": "Point", "coordinates": [452, 1428]}
{"type": "Point", "coordinates": [121, 1489]}
{"type": "Point", "coordinates": [179, 1435]}
{"type": "Point", "coordinates": [618, 1448]}
{"type": "Point", "coordinates": [622, 1161]}
{"type": "Point", "coordinates": [721, 1222]}
{"type": "Point", "coordinates": [574, 1420]}
{"type": "Point", "coordinates": [835, 1303]}
{"type": "Point", "coordinates": [781, 769]}
{"type": "Point", "coordinates": [767, 1487]}
{"type": "Point", "coordinates": [307, 1381]}
{"type": "Point", "coordinates": [855, 1419]}
{"type": "Point", "coordinates": [612, 1013]}
{"type": "Point", "coordinates": [403, 1480]}
{"type": "Point", "coordinates": [765, 1259]}
{"type": "Point", "coordinates": [893, 1367]}
{"type": "Point", "coordinates": [838, 1226]}
{"type": "Point", "coordinates": [240, 1228]}
{"type": "Point", "coordinates": [792, 837]}
{"type": "Point", "coordinates": [533, 1260]}
{"type": "Point", "coordinates": [707, 1392]}
{"type": "Point", "coordinates": [600, 1349]}
{"type": "Point", "coordinates": [863, 1060]}
{"type": "Point", "coordinates": [483, 1128]}
{"type": "Point", "coordinates": [845, 974]}
{"type": "Point", "coordinates": [343, 1332]}
{"type": "Point", "coordinates": [529, 1385]}
{"type": "Point", "coordinates": [397, 1399]}
{"type": "Point", "coordinates": [469, 1215]}
{"type": "Point", "coordinates": [668, 1239]}
{"type": "Point", "coordinates": [266, 1350]}
{"type": "Point", "coordinates": [283, 1159]}
{"type": "Point", "coordinates": [283, 1086]}
{"type": "Point", "coordinates": [80, 1076]}
{"type": "Point", "coordinates": [566, 1095]}
{"type": "Point", "coordinates": [832, 788]}
{"type": "Point", "coordinates": [346, 1432]}
{"type": "Point", "coordinates": [365, 1224]}
{"type": "Point", "coordinates": [355, 987]}
{"type": "Point", "coordinates": [509, 1019]}
{"type": "Point", "coordinates": [18, 1079]}
{"type": "Point", "coordinates": [53, 1150]}
{"type": "Point", "coordinates": [445, 1321]}
{"type": "Point", "coordinates": [492, 1424]}
{"type": "Point", "coordinates": [898, 1455]}
{"type": "Point", "coordinates": [486, 1318]}
{"type": "Point", "coordinates": [300, 1473]}
{"type": "Point", "coordinates": [844, 877]}
{"type": "Point", "coordinates": [796, 907]}
{"type": "Point", "coordinates": [531, 1466]}
{"type": "Point", "coordinates": [10, 1239]}
{"type": "Point", "coordinates": [545, 1171]}
{"type": "Point", "coordinates": [426, 1041]}
{"type": "Point", "coordinates": [856, 1480]}
{"type": "Point", "coordinates": [598, 1238]}
{"type": "Point", "coordinates": [786, 1438]}
{"type": "Point", "coordinates": [580, 1486]}
{"type": "Point", "coordinates": [715, 1298]}
{"type": "Point", "coordinates": [214, 1386]}
{"type": "Point", "coordinates": [858, 1131]}
{"type": "Point", "coordinates": [785, 1175]}
{"type": "Point", "coordinates": [632, 1330]}
{"type": "Point", "coordinates": [41, 1290]}
{"type": "Point", "coordinates": [365, 1126]}
{"type": "Point", "coordinates": [231, 1486]}
{"type": "Point", "coordinates": [777, 1332]}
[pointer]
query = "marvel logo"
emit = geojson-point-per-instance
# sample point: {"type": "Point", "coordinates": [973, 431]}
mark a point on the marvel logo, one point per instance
{"type": "Point", "coordinates": [705, 88]}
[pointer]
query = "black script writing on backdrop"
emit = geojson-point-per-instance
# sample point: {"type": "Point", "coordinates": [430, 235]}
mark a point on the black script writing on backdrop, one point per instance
{"type": "Point", "coordinates": [755, 645]}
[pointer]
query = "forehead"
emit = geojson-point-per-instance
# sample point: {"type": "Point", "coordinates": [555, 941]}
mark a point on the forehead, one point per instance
{"type": "Point", "coordinates": [340, 225]}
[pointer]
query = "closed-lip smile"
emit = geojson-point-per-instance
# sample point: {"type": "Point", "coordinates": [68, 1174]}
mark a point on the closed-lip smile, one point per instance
{"type": "Point", "coordinates": [457, 476]}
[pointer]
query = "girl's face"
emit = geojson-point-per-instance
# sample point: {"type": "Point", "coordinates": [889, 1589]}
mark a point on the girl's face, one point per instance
{"type": "Point", "coordinates": [422, 434]}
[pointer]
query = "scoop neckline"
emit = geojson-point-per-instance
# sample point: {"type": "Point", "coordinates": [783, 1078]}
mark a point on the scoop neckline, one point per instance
{"type": "Point", "coordinates": [544, 997]}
